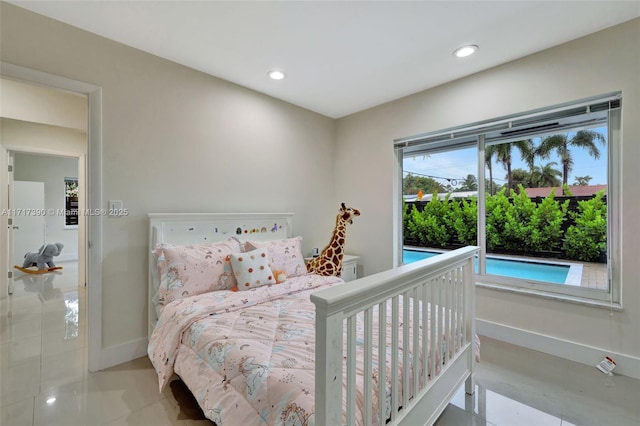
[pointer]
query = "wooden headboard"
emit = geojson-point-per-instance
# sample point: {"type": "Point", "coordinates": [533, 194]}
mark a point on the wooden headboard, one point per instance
{"type": "Point", "coordinates": [201, 228]}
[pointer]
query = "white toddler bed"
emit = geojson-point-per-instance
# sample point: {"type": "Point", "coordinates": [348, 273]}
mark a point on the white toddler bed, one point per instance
{"type": "Point", "coordinates": [306, 351]}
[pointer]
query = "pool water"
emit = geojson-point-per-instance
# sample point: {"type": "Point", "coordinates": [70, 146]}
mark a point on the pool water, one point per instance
{"type": "Point", "coordinates": [538, 271]}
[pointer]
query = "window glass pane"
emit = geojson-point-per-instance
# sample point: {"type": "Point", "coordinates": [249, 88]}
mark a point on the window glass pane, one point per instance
{"type": "Point", "coordinates": [546, 208]}
{"type": "Point", "coordinates": [440, 201]}
{"type": "Point", "coordinates": [71, 201]}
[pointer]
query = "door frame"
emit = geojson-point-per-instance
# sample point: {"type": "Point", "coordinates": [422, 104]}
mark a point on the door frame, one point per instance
{"type": "Point", "coordinates": [93, 174]}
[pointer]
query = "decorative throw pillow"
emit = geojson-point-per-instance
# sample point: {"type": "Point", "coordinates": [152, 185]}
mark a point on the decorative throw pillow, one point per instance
{"type": "Point", "coordinates": [251, 269]}
{"type": "Point", "coordinates": [193, 269]}
{"type": "Point", "coordinates": [285, 255]}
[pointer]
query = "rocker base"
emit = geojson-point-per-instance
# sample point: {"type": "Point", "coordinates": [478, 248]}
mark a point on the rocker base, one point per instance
{"type": "Point", "coordinates": [37, 271]}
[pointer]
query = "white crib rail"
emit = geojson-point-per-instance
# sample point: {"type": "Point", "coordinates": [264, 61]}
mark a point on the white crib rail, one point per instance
{"type": "Point", "coordinates": [444, 287]}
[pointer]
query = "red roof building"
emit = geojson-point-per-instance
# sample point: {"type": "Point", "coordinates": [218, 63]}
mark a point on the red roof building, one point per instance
{"type": "Point", "coordinates": [577, 191]}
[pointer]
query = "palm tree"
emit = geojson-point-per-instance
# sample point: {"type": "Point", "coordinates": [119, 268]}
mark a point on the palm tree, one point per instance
{"type": "Point", "coordinates": [582, 180]}
{"type": "Point", "coordinates": [503, 152]}
{"type": "Point", "coordinates": [544, 176]}
{"type": "Point", "coordinates": [489, 152]}
{"type": "Point", "coordinates": [522, 177]}
{"type": "Point", "coordinates": [561, 143]}
{"type": "Point", "coordinates": [470, 183]}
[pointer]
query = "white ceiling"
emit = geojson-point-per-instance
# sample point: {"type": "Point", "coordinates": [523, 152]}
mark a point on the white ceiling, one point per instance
{"type": "Point", "coordinates": [340, 57]}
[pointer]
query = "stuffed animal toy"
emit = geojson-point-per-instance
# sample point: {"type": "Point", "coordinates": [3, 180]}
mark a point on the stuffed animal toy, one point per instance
{"type": "Point", "coordinates": [330, 260]}
{"type": "Point", "coordinates": [43, 257]}
{"type": "Point", "coordinates": [279, 275]}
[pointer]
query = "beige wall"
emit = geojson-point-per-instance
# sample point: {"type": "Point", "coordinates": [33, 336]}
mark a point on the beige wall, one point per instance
{"type": "Point", "coordinates": [30, 136]}
{"type": "Point", "coordinates": [177, 140]}
{"type": "Point", "coordinates": [600, 63]}
{"type": "Point", "coordinates": [38, 104]}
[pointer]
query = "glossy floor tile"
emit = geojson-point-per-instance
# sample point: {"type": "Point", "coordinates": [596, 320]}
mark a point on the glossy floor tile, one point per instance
{"type": "Point", "coordinates": [44, 377]}
{"type": "Point", "coordinates": [518, 386]}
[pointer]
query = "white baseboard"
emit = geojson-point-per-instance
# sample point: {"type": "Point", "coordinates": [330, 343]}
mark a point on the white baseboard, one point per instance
{"type": "Point", "coordinates": [125, 352]}
{"type": "Point", "coordinates": [626, 365]}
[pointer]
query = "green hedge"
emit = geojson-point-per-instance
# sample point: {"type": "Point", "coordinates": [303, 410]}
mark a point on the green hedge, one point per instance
{"type": "Point", "coordinates": [586, 239]}
{"type": "Point", "coordinates": [514, 224]}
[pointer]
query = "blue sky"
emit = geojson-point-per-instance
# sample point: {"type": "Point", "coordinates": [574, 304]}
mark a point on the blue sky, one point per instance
{"type": "Point", "coordinates": [458, 164]}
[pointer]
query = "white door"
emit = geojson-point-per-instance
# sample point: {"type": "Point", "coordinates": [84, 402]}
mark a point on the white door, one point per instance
{"type": "Point", "coordinates": [29, 227]}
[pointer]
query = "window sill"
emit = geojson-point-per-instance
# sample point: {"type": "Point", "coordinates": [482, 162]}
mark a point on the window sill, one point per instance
{"type": "Point", "coordinates": [603, 304]}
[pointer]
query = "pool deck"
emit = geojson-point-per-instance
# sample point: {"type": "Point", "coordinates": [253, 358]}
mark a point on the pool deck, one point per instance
{"type": "Point", "coordinates": [594, 275]}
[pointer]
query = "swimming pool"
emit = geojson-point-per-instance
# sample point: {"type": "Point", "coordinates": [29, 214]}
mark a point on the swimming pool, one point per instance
{"type": "Point", "coordinates": [552, 272]}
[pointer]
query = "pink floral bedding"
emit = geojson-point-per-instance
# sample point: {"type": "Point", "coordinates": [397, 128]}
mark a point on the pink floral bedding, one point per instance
{"type": "Point", "coordinates": [249, 357]}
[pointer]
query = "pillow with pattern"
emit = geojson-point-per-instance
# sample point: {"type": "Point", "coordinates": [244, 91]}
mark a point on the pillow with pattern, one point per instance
{"type": "Point", "coordinates": [284, 255]}
{"type": "Point", "coordinates": [194, 269]}
{"type": "Point", "coordinates": [251, 269]}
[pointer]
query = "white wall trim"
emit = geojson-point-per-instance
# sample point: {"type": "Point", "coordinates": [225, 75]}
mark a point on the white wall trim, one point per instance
{"type": "Point", "coordinates": [626, 365]}
{"type": "Point", "coordinates": [115, 355]}
{"type": "Point", "coordinates": [42, 151]}
{"type": "Point", "coordinates": [94, 194]}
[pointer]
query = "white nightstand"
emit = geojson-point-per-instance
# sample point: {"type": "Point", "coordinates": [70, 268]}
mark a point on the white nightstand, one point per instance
{"type": "Point", "coordinates": [349, 267]}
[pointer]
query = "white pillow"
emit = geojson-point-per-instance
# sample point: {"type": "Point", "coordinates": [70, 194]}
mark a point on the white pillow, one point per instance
{"type": "Point", "coordinates": [251, 269]}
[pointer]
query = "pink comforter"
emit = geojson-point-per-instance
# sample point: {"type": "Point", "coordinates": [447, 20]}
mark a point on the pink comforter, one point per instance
{"type": "Point", "coordinates": [249, 357]}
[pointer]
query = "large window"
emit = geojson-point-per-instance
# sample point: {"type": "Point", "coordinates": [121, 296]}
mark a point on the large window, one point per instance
{"type": "Point", "coordinates": [536, 191]}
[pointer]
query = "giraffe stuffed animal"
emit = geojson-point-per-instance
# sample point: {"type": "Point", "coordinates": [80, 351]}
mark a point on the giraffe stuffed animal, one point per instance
{"type": "Point", "coordinates": [329, 262]}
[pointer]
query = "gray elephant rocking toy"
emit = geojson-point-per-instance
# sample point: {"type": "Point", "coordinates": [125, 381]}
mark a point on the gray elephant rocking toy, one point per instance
{"type": "Point", "coordinates": [41, 259]}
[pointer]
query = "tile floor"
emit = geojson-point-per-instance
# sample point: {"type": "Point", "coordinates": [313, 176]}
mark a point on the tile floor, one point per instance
{"type": "Point", "coordinates": [518, 386]}
{"type": "Point", "coordinates": [43, 355]}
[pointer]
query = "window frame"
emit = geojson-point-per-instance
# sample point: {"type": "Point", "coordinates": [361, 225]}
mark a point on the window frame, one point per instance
{"type": "Point", "coordinates": [476, 134]}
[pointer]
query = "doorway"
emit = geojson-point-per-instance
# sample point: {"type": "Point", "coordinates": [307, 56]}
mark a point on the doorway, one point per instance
{"type": "Point", "coordinates": [50, 188]}
{"type": "Point", "coordinates": [93, 172]}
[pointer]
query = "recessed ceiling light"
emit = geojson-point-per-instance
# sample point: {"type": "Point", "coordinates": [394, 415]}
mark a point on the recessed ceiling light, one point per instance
{"type": "Point", "coordinates": [464, 51]}
{"type": "Point", "coordinates": [51, 400]}
{"type": "Point", "coordinates": [277, 74]}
